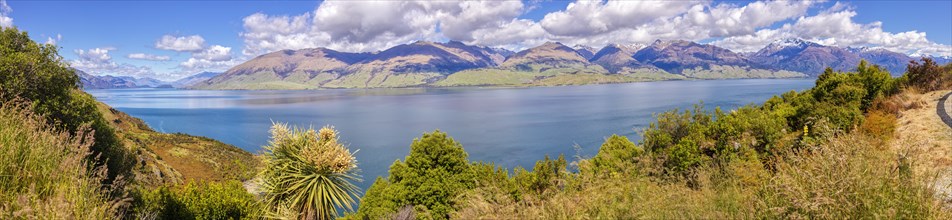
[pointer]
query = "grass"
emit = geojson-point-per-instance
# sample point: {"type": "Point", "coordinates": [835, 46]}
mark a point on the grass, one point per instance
{"type": "Point", "coordinates": [481, 77]}
{"type": "Point", "coordinates": [180, 158]}
{"type": "Point", "coordinates": [920, 132]}
{"type": "Point", "coordinates": [734, 72]}
{"type": "Point", "coordinates": [43, 172]}
{"type": "Point", "coordinates": [547, 77]}
{"type": "Point", "coordinates": [844, 178]}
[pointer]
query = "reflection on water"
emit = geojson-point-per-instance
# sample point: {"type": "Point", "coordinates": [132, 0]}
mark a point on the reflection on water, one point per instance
{"type": "Point", "coordinates": [508, 126]}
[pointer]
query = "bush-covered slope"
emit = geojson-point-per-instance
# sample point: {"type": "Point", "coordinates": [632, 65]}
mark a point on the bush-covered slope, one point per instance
{"type": "Point", "coordinates": [820, 153]}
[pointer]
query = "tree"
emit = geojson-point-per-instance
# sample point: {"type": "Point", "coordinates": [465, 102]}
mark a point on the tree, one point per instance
{"type": "Point", "coordinates": [432, 176]}
{"type": "Point", "coordinates": [308, 174]}
{"type": "Point", "coordinates": [926, 75]}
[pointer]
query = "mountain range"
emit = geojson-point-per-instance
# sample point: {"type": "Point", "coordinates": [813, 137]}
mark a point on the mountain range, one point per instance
{"type": "Point", "coordinates": [453, 63]}
{"type": "Point", "coordinates": [90, 81]}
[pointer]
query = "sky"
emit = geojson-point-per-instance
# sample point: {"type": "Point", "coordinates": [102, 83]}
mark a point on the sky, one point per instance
{"type": "Point", "coordinates": [169, 40]}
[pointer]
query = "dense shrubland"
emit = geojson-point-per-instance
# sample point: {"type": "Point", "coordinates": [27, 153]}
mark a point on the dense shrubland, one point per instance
{"type": "Point", "coordinates": [819, 153]}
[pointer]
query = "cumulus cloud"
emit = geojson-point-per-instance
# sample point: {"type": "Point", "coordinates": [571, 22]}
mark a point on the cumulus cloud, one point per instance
{"type": "Point", "coordinates": [150, 57]}
{"type": "Point", "coordinates": [212, 58]}
{"type": "Point", "coordinates": [5, 19]}
{"type": "Point", "coordinates": [214, 53]}
{"type": "Point", "coordinates": [98, 62]}
{"type": "Point", "coordinates": [370, 26]}
{"type": "Point", "coordinates": [360, 26]}
{"type": "Point", "coordinates": [193, 43]}
{"type": "Point", "coordinates": [585, 17]}
{"type": "Point", "coordinates": [836, 27]}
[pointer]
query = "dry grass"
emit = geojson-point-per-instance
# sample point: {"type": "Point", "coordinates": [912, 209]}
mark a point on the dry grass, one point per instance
{"type": "Point", "coordinates": [923, 127]}
{"type": "Point", "coordinates": [43, 172]}
{"type": "Point", "coordinates": [179, 158]}
{"type": "Point", "coordinates": [921, 133]}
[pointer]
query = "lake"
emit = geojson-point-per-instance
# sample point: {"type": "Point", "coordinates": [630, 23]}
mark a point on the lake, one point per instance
{"type": "Point", "coordinates": [508, 126]}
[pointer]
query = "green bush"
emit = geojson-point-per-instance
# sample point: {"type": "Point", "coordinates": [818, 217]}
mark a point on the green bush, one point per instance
{"type": "Point", "coordinates": [616, 155]}
{"type": "Point", "coordinates": [196, 200]}
{"type": "Point", "coordinates": [434, 173]}
{"type": "Point", "coordinates": [36, 73]}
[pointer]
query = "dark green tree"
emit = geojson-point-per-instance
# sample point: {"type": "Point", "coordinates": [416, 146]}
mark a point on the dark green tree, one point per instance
{"type": "Point", "coordinates": [431, 177]}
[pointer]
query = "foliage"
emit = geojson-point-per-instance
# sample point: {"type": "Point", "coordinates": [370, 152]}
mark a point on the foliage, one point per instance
{"type": "Point", "coordinates": [433, 174]}
{"type": "Point", "coordinates": [927, 75]}
{"type": "Point", "coordinates": [795, 156]}
{"type": "Point", "coordinates": [881, 125]}
{"type": "Point", "coordinates": [43, 173]}
{"type": "Point", "coordinates": [196, 200]}
{"type": "Point", "coordinates": [616, 155]}
{"type": "Point", "coordinates": [308, 174]}
{"type": "Point", "coordinates": [36, 73]}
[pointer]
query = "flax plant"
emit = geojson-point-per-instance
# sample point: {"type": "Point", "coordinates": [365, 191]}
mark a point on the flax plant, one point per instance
{"type": "Point", "coordinates": [308, 174]}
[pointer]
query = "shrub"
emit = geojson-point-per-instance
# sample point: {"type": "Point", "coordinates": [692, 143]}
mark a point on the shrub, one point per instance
{"type": "Point", "coordinates": [308, 174]}
{"type": "Point", "coordinates": [616, 155]}
{"type": "Point", "coordinates": [927, 75]}
{"type": "Point", "coordinates": [434, 173]}
{"type": "Point", "coordinates": [879, 125]}
{"type": "Point", "coordinates": [196, 200]}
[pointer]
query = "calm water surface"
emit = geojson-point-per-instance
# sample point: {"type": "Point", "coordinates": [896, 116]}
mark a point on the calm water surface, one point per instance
{"type": "Point", "coordinates": [508, 126]}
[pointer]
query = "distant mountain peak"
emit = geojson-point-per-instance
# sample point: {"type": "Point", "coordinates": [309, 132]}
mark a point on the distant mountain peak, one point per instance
{"type": "Point", "coordinates": [662, 44]}
{"type": "Point", "coordinates": [866, 49]}
{"type": "Point", "coordinates": [791, 42]}
{"type": "Point", "coordinates": [583, 47]}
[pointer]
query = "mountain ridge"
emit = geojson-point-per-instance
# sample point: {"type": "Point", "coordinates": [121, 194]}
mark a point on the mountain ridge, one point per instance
{"type": "Point", "coordinates": [426, 63]}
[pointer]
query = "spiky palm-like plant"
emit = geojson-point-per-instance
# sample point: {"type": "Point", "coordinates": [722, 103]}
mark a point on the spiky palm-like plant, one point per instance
{"type": "Point", "coordinates": [308, 174]}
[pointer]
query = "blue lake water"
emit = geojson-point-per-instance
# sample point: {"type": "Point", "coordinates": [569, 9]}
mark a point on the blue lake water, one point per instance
{"type": "Point", "coordinates": [508, 126]}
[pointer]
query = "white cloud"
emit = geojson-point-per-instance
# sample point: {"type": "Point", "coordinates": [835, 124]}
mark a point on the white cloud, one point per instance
{"type": "Point", "coordinates": [150, 57]}
{"type": "Point", "coordinates": [730, 20]}
{"type": "Point", "coordinates": [5, 19]}
{"type": "Point", "coordinates": [213, 58]}
{"type": "Point", "coordinates": [585, 17]}
{"type": "Point", "coordinates": [370, 26]}
{"type": "Point", "coordinates": [835, 26]}
{"type": "Point", "coordinates": [53, 41]}
{"type": "Point", "coordinates": [193, 43]}
{"type": "Point", "coordinates": [214, 53]}
{"type": "Point", "coordinates": [98, 62]}
{"type": "Point", "coordinates": [362, 26]}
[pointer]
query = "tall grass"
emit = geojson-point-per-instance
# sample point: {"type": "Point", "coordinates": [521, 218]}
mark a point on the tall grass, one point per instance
{"type": "Point", "coordinates": [43, 171]}
{"type": "Point", "coordinates": [843, 178]}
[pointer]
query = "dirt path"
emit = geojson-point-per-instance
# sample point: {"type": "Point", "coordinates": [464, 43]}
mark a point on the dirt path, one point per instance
{"type": "Point", "coordinates": [944, 109]}
{"type": "Point", "coordinates": [923, 135]}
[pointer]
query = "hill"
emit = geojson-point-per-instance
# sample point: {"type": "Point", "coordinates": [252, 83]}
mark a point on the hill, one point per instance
{"type": "Point", "coordinates": [193, 79]}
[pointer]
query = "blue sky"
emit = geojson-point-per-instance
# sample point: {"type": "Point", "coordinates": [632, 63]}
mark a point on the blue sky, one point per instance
{"type": "Point", "coordinates": [123, 37]}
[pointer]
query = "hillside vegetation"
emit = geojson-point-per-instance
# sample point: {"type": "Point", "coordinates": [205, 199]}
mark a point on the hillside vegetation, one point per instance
{"type": "Point", "coordinates": [65, 155]}
{"type": "Point", "coordinates": [821, 153]}
{"type": "Point", "coordinates": [830, 152]}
